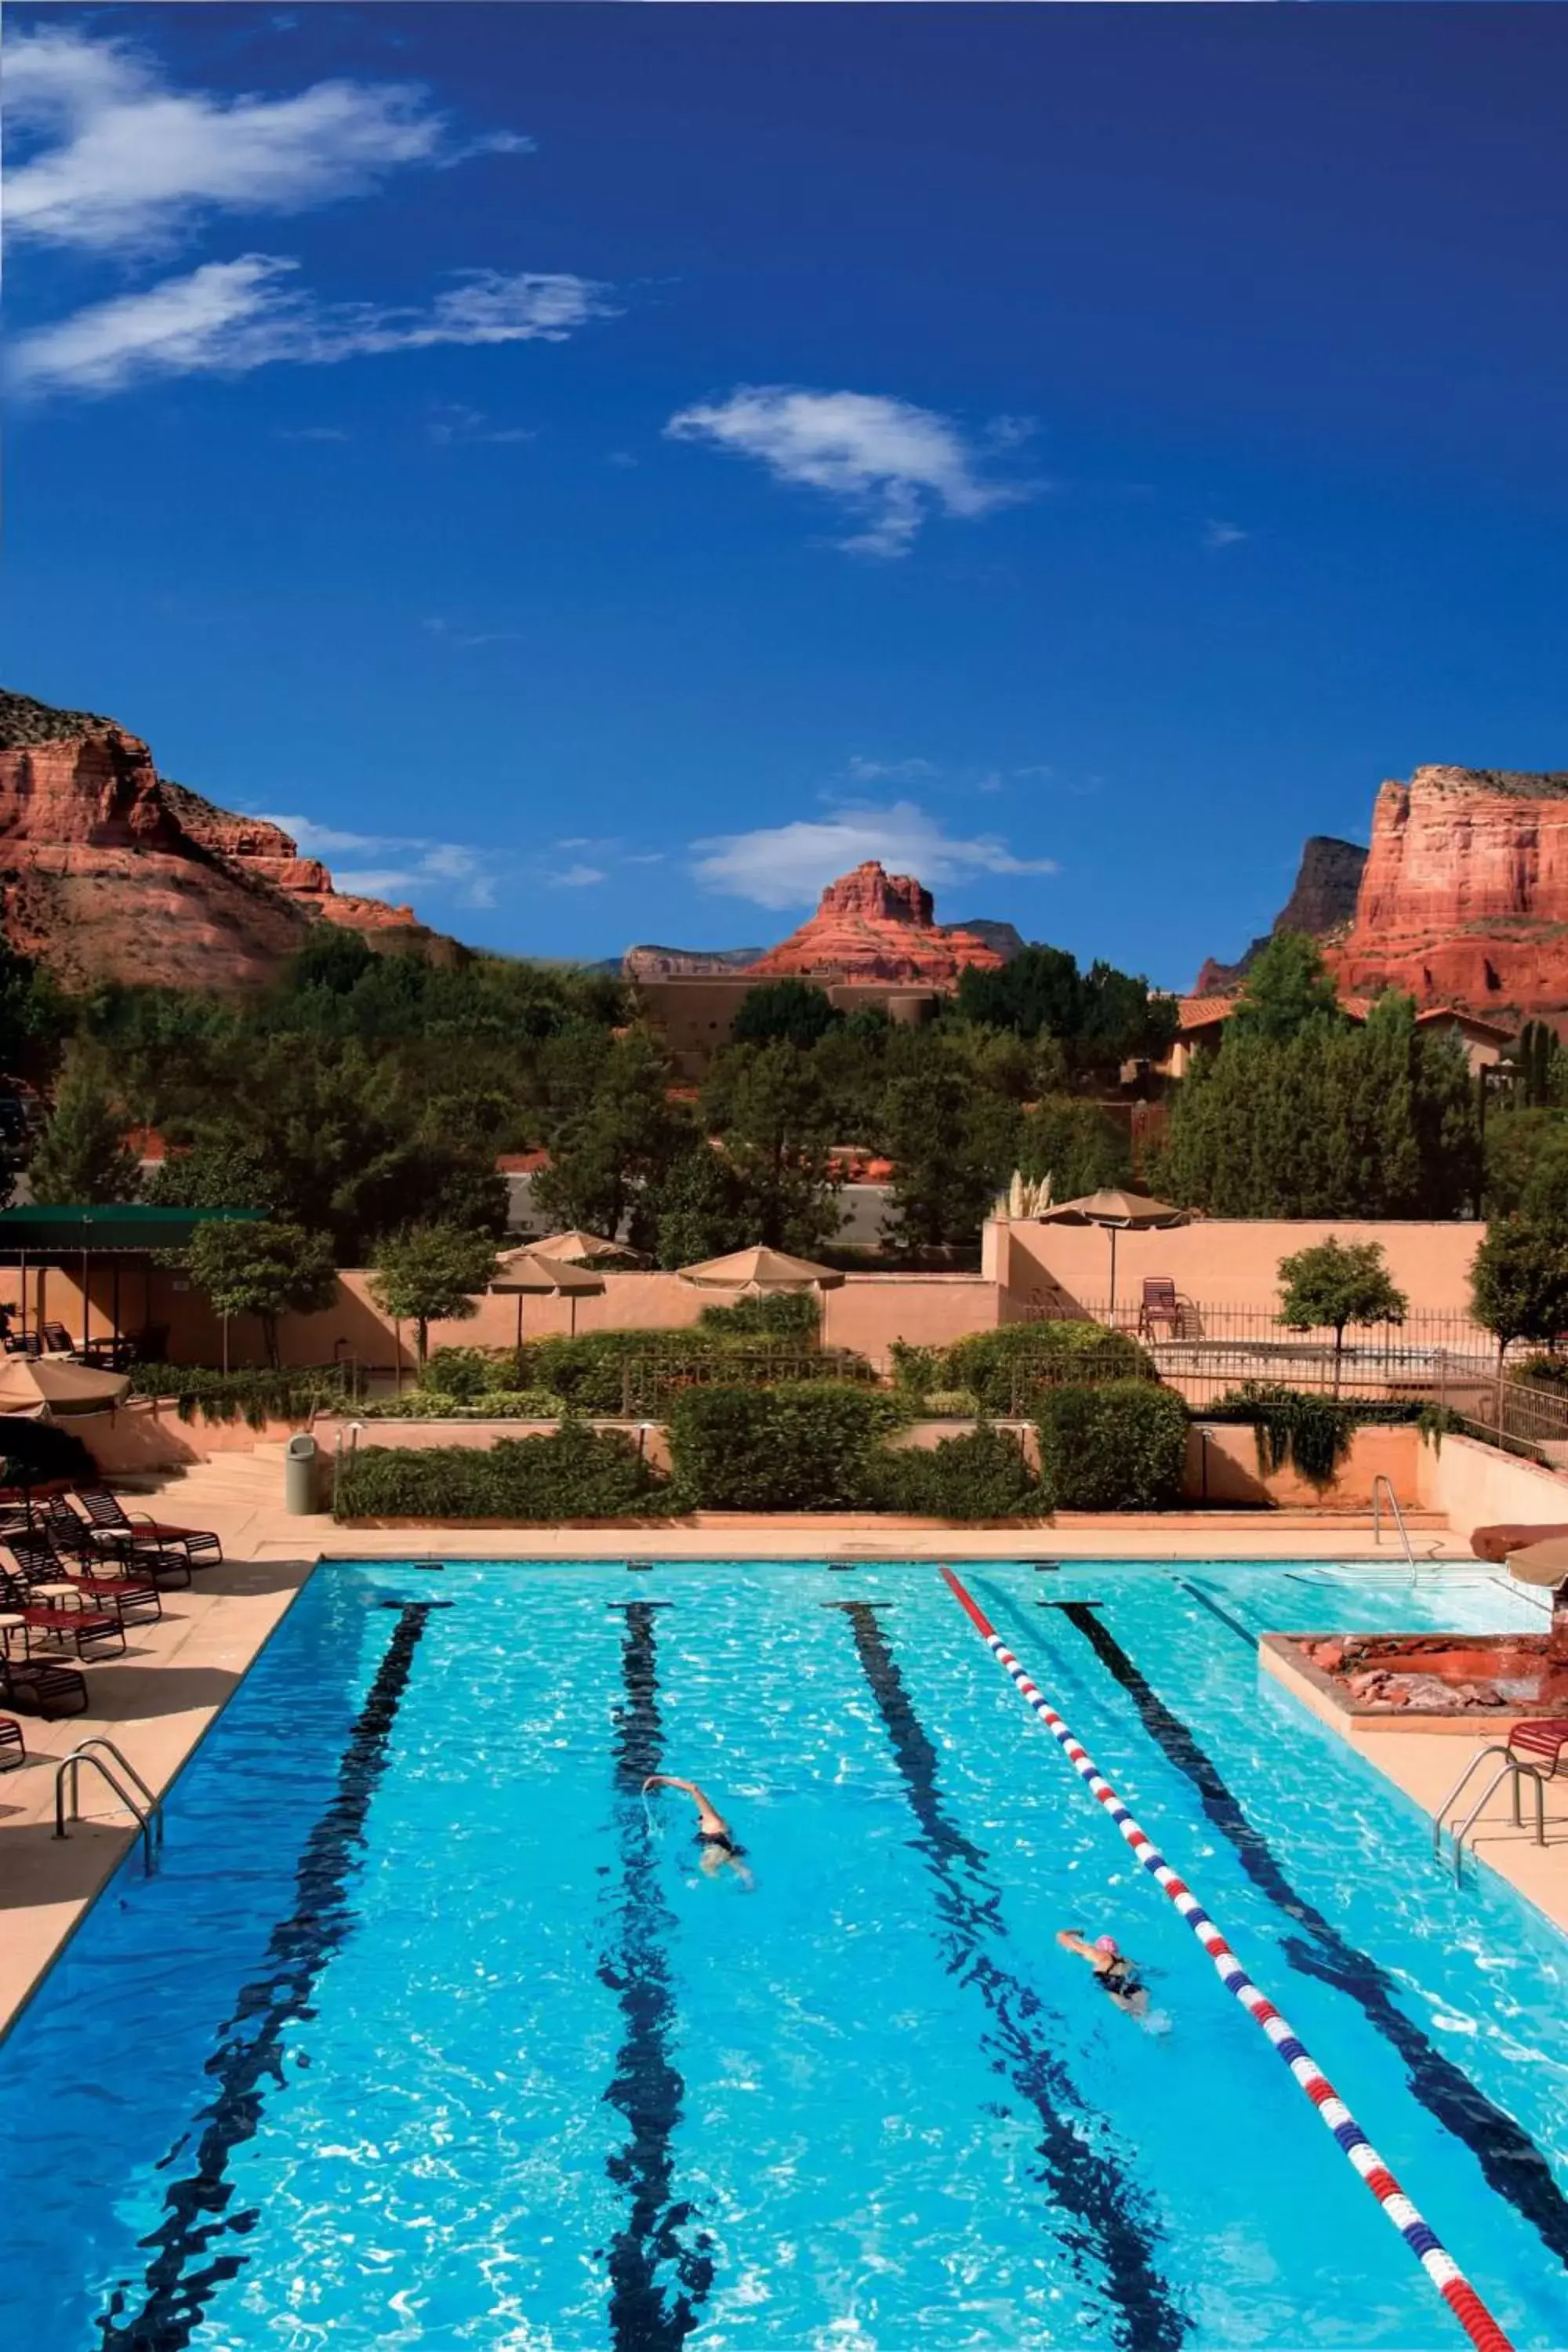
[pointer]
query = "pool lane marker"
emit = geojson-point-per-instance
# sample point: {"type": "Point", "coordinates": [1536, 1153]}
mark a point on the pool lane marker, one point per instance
{"type": "Point", "coordinates": [1511, 2165]}
{"type": "Point", "coordinates": [1101, 2207]}
{"type": "Point", "coordinates": [1418, 2234]}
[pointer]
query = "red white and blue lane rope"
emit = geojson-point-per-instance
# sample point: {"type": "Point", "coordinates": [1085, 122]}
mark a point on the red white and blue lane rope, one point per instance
{"type": "Point", "coordinates": [1420, 2237]}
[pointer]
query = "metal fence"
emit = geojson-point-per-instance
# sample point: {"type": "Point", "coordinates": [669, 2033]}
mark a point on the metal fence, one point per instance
{"type": "Point", "coordinates": [1196, 1318]}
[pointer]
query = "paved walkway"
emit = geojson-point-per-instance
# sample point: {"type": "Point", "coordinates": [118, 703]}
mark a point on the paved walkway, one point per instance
{"type": "Point", "coordinates": [158, 1701]}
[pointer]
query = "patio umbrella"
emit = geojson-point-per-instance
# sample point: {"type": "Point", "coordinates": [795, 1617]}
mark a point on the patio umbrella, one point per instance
{"type": "Point", "coordinates": [533, 1276]}
{"type": "Point", "coordinates": [1119, 1213]}
{"type": "Point", "coordinates": [578, 1248]}
{"type": "Point", "coordinates": [1540, 1563]}
{"type": "Point", "coordinates": [759, 1272]}
{"type": "Point", "coordinates": [40, 1384]}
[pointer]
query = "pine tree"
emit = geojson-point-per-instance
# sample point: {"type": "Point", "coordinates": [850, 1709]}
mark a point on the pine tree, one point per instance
{"type": "Point", "coordinates": [83, 1155]}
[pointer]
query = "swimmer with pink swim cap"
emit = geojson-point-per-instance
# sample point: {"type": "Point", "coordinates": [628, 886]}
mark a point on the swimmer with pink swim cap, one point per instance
{"type": "Point", "coordinates": [1114, 1972]}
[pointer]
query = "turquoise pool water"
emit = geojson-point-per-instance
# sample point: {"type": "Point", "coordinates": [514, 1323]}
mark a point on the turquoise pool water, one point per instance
{"type": "Point", "coordinates": [432, 2032]}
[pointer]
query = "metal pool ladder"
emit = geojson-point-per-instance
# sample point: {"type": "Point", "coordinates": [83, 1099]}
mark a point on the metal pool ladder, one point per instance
{"type": "Point", "coordinates": [1511, 1765]}
{"type": "Point", "coordinates": [147, 1815]}
{"type": "Point", "coordinates": [1383, 1484]}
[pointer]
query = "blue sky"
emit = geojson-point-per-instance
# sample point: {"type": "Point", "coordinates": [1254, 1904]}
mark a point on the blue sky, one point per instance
{"type": "Point", "coordinates": [601, 471]}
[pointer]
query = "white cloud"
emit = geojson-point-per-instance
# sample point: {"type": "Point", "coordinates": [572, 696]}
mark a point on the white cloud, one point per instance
{"type": "Point", "coordinates": [577, 878]}
{"type": "Point", "coordinates": [890, 771]}
{"type": "Point", "coordinates": [452, 420]}
{"type": "Point", "coordinates": [886, 459]}
{"type": "Point", "coordinates": [789, 865]}
{"type": "Point", "coordinates": [114, 160]}
{"type": "Point", "coordinates": [229, 316]}
{"type": "Point", "coordinates": [1222, 534]}
{"type": "Point", "coordinates": [453, 870]}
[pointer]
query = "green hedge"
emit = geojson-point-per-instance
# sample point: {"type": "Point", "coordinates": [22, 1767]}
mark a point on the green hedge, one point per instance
{"type": "Point", "coordinates": [486, 1404]}
{"type": "Point", "coordinates": [1117, 1446]}
{"type": "Point", "coordinates": [577, 1473]}
{"type": "Point", "coordinates": [805, 1445]}
{"type": "Point", "coordinates": [982, 1475]}
{"type": "Point", "coordinates": [254, 1396]}
{"type": "Point", "coordinates": [638, 1371]}
{"type": "Point", "coordinates": [1008, 1368]}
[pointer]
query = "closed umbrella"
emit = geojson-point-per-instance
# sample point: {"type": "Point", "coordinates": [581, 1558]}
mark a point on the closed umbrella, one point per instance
{"type": "Point", "coordinates": [1119, 1213]}
{"type": "Point", "coordinates": [50, 1384]}
{"type": "Point", "coordinates": [531, 1274]}
{"type": "Point", "coordinates": [1547, 1563]}
{"type": "Point", "coordinates": [759, 1272]}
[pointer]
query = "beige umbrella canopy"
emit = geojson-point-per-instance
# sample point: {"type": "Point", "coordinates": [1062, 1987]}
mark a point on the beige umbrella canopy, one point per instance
{"type": "Point", "coordinates": [578, 1248]}
{"type": "Point", "coordinates": [1540, 1563]}
{"type": "Point", "coordinates": [1119, 1213]}
{"type": "Point", "coordinates": [531, 1274]}
{"type": "Point", "coordinates": [755, 1273]}
{"type": "Point", "coordinates": [40, 1384]}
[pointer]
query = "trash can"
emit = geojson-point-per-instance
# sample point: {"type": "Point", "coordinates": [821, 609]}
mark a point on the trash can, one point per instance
{"type": "Point", "coordinates": [301, 1474]}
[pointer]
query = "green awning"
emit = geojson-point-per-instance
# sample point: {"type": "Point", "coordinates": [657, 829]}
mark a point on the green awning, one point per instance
{"type": "Point", "coordinates": [53, 1230]}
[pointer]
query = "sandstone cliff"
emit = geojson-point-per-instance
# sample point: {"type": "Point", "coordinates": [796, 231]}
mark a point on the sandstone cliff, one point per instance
{"type": "Point", "coordinates": [1465, 897]}
{"type": "Point", "coordinates": [109, 872]}
{"type": "Point", "coordinates": [684, 964]}
{"type": "Point", "coordinates": [873, 925]}
{"type": "Point", "coordinates": [1322, 903]}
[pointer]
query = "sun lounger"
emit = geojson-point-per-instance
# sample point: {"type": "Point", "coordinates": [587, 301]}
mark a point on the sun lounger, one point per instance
{"type": "Point", "coordinates": [13, 1749]}
{"type": "Point", "coordinates": [111, 1523]}
{"type": "Point", "coordinates": [44, 1569]}
{"type": "Point", "coordinates": [89, 1632]}
{"type": "Point", "coordinates": [38, 1686]}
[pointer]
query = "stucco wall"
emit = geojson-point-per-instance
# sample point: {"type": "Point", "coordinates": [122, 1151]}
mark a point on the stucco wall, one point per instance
{"type": "Point", "coordinates": [1222, 1467]}
{"type": "Point", "coordinates": [1222, 1260]}
{"type": "Point", "coordinates": [1479, 1487]}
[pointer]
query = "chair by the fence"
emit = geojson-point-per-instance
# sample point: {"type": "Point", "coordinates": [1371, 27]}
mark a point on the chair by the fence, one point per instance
{"type": "Point", "coordinates": [1161, 1307]}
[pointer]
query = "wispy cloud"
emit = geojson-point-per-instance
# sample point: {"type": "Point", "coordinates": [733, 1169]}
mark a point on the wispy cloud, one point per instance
{"type": "Point", "coordinates": [309, 433]}
{"type": "Point", "coordinates": [890, 771]}
{"type": "Point", "coordinates": [890, 462]}
{"type": "Point", "coordinates": [451, 422]}
{"type": "Point", "coordinates": [229, 316]}
{"type": "Point", "coordinates": [788, 865]}
{"type": "Point", "coordinates": [1222, 534]}
{"type": "Point", "coordinates": [407, 863]}
{"type": "Point", "coordinates": [577, 878]}
{"type": "Point", "coordinates": [113, 159]}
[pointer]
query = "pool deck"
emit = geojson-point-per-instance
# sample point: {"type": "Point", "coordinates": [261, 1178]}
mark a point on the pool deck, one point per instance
{"type": "Point", "coordinates": [157, 1702]}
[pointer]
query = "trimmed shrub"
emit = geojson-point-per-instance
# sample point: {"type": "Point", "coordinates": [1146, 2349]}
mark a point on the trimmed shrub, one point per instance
{"type": "Point", "coordinates": [468, 1372]}
{"type": "Point", "coordinates": [779, 1315]}
{"type": "Point", "coordinates": [805, 1445]}
{"type": "Point", "coordinates": [982, 1475]}
{"type": "Point", "coordinates": [951, 1405]}
{"type": "Point", "coordinates": [635, 1372]}
{"type": "Point", "coordinates": [489, 1405]}
{"type": "Point", "coordinates": [577, 1473]}
{"type": "Point", "coordinates": [1118, 1445]}
{"type": "Point", "coordinates": [1009, 1367]}
{"type": "Point", "coordinates": [916, 1369]}
{"type": "Point", "coordinates": [253, 1396]}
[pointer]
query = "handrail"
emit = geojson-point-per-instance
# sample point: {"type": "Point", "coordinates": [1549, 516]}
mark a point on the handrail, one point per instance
{"type": "Point", "coordinates": [154, 1803]}
{"type": "Point", "coordinates": [1382, 1484]}
{"type": "Point", "coordinates": [72, 1764]}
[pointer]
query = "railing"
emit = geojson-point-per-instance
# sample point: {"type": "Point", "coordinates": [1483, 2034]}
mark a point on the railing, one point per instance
{"type": "Point", "coordinates": [147, 1815]}
{"type": "Point", "coordinates": [1383, 1487]}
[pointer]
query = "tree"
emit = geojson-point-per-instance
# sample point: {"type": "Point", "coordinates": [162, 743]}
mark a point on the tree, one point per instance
{"type": "Point", "coordinates": [1077, 1144]}
{"type": "Point", "coordinates": [1519, 1282]}
{"type": "Point", "coordinates": [1289, 989]}
{"type": "Point", "coordinates": [792, 1011]}
{"type": "Point", "coordinates": [1042, 989]}
{"type": "Point", "coordinates": [1334, 1284]}
{"type": "Point", "coordinates": [263, 1269]}
{"type": "Point", "coordinates": [83, 1154]}
{"type": "Point", "coordinates": [222, 1169]}
{"type": "Point", "coordinates": [773, 1117]}
{"type": "Point", "coordinates": [951, 1146]}
{"type": "Point", "coordinates": [1526, 1160]}
{"type": "Point", "coordinates": [622, 1136]}
{"type": "Point", "coordinates": [429, 1274]}
{"type": "Point", "coordinates": [698, 1208]}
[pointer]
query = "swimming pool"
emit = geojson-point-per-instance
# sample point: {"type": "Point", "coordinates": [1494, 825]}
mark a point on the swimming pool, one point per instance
{"type": "Point", "coordinates": [431, 2032]}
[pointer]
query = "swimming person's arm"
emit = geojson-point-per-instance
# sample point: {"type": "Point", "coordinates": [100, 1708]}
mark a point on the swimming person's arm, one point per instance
{"type": "Point", "coordinates": [1071, 1941]}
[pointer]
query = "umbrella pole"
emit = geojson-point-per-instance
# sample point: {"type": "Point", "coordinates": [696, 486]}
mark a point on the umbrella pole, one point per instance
{"type": "Point", "coordinates": [1111, 1317]}
{"type": "Point", "coordinates": [86, 1309]}
{"type": "Point", "coordinates": [519, 1335]}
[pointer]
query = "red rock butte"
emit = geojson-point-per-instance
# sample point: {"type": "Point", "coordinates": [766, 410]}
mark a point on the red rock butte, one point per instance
{"type": "Point", "coordinates": [109, 872]}
{"type": "Point", "coordinates": [1464, 900]}
{"type": "Point", "coordinates": [871, 927]}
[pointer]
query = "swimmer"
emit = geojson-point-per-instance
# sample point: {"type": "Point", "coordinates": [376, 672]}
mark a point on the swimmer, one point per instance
{"type": "Point", "coordinates": [1114, 1972]}
{"type": "Point", "coordinates": [721, 1850]}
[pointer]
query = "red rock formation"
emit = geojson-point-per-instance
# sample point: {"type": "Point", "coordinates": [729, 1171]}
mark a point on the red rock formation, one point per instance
{"type": "Point", "coordinates": [1465, 897]}
{"type": "Point", "coordinates": [872, 926]}
{"type": "Point", "coordinates": [107, 872]}
{"type": "Point", "coordinates": [1322, 904]}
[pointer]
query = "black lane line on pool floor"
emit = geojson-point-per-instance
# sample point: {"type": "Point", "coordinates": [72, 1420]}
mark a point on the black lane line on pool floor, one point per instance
{"type": "Point", "coordinates": [1509, 2160]}
{"type": "Point", "coordinates": [658, 2282]}
{"type": "Point", "coordinates": [174, 2294]}
{"type": "Point", "coordinates": [1234, 1624]}
{"type": "Point", "coordinates": [1098, 2204]}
